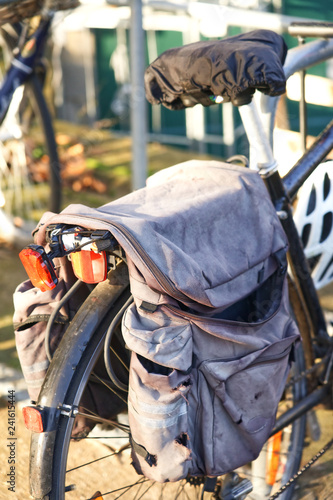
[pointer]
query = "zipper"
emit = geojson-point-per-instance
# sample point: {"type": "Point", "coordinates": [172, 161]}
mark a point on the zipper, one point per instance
{"type": "Point", "coordinates": [160, 277]}
{"type": "Point", "coordinates": [217, 321]}
{"type": "Point", "coordinates": [260, 360]}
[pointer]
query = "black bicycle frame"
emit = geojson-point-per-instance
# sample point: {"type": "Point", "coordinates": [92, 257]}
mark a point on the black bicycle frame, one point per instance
{"type": "Point", "coordinates": [22, 65]}
{"type": "Point", "coordinates": [282, 192]}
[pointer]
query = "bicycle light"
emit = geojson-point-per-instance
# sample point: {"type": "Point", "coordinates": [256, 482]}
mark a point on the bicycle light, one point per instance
{"type": "Point", "coordinates": [38, 267]}
{"type": "Point", "coordinates": [89, 266]}
{"type": "Point", "coordinates": [33, 419]}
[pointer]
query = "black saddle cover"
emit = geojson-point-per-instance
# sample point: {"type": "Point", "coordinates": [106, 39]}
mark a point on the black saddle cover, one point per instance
{"type": "Point", "coordinates": [232, 68]}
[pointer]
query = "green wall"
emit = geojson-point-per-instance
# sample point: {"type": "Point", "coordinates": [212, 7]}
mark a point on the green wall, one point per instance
{"type": "Point", "coordinates": [173, 122]}
{"type": "Point", "coordinates": [106, 42]}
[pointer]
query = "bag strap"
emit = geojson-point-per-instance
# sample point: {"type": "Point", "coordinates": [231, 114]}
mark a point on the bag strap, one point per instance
{"type": "Point", "coordinates": [39, 318]}
{"type": "Point", "coordinates": [141, 450]}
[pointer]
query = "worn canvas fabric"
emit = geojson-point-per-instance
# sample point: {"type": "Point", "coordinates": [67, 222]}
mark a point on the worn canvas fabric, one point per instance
{"type": "Point", "coordinates": [210, 332]}
{"type": "Point", "coordinates": [182, 231]}
{"type": "Point", "coordinates": [215, 407]}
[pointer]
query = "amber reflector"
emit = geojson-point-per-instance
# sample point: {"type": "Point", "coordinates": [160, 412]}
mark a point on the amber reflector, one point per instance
{"type": "Point", "coordinates": [273, 457]}
{"type": "Point", "coordinates": [38, 267]}
{"type": "Point", "coordinates": [89, 266]}
{"type": "Point", "coordinates": [33, 419]}
{"type": "Point", "coordinates": [97, 496]}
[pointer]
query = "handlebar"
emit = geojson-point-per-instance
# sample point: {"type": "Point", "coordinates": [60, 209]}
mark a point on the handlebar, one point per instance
{"type": "Point", "coordinates": [243, 98]}
{"type": "Point", "coordinates": [259, 117]}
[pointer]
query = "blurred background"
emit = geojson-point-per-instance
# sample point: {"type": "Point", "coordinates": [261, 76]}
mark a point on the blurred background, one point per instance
{"type": "Point", "coordinates": [91, 63]}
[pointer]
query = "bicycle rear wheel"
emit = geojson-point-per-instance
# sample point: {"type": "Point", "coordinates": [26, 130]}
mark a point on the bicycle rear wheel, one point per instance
{"type": "Point", "coordinates": [101, 460]}
{"type": "Point", "coordinates": [281, 456]}
{"type": "Point", "coordinates": [30, 182]}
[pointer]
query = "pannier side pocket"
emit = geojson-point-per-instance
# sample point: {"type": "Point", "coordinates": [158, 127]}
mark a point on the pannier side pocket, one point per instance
{"type": "Point", "coordinates": [245, 393]}
{"type": "Point", "coordinates": [33, 309]}
{"type": "Point", "coordinates": [160, 336]}
{"type": "Point", "coordinates": [157, 410]}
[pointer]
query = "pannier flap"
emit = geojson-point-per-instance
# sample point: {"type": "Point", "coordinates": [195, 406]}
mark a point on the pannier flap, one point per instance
{"type": "Point", "coordinates": [194, 227]}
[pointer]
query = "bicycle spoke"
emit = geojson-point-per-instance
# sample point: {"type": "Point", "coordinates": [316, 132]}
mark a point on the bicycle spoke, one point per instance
{"type": "Point", "coordinates": [94, 416]}
{"type": "Point", "coordinates": [126, 488]}
{"type": "Point", "coordinates": [181, 489]}
{"type": "Point", "coordinates": [147, 489]}
{"type": "Point", "coordinates": [92, 462]}
{"type": "Point", "coordinates": [120, 359]}
{"type": "Point", "coordinates": [138, 492]}
{"type": "Point", "coordinates": [110, 388]}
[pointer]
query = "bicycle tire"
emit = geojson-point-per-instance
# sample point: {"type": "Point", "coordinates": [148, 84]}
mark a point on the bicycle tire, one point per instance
{"type": "Point", "coordinates": [54, 203]}
{"type": "Point", "coordinates": [30, 181]}
{"type": "Point", "coordinates": [60, 458]}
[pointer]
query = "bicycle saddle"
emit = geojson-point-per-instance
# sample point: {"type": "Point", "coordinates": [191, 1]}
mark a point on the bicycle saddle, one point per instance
{"type": "Point", "coordinates": [232, 68]}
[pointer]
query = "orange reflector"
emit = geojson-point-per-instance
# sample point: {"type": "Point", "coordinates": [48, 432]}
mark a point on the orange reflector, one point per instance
{"type": "Point", "coordinates": [97, 496]}
{"type": "Point", "coordinates": [273, 457]}
{"type": "Point", "coordinates": [89, 266]}
{"type": "Point", "coordinates": [33, 419]}
{"type": "Point", "coordinates": [38, 267]}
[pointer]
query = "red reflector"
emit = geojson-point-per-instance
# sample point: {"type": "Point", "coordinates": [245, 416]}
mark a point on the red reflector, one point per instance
{"type": "Point", "coordinates": [89, 266]}
{"type": "Point", "coordinates": [33, 419]}
{"type": "Point", "coordinates": [38, 267]}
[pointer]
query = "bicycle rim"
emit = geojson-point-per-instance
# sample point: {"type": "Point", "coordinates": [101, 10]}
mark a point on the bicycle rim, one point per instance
{"type": "Point", "coordinates": [101, 461]}
{"type": "Point", "coordinates": [29, 166]}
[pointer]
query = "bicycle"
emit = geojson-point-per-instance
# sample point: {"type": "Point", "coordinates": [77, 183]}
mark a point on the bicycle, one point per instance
{"type": "Point", "coordinates": [30, 181]}
{"type": "Point", "coordinates": [96, 327]}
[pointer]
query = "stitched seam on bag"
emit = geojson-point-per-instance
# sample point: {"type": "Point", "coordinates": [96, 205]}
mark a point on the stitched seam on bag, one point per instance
{"type": "Point", "coordinates": [268, 420]}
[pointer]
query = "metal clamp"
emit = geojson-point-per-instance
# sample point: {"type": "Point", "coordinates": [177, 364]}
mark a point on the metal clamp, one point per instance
{"type": "Point", "coordinates": [68, 410]}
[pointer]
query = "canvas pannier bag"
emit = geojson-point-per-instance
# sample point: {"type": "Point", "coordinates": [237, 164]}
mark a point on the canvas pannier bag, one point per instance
{"type": "Point", "coordinates": [32, 311]}
{"type": "Point", "coordinates": [210, 331]}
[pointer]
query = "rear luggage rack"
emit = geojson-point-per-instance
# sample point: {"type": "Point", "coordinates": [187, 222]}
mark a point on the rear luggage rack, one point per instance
{"type": "Point", "coordinates": [311, 29]}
